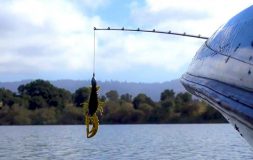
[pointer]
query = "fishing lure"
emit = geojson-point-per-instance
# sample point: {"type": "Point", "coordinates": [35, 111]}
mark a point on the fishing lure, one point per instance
{"type": "Point", "coordinates": [94, 105]}
{"type": "Point", "coordinates": [91, 110]}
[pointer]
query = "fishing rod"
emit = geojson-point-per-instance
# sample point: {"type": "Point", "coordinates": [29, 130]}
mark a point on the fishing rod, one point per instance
{"type": "Point", "coordinates": [94, 105]}
{"type": "Point", "coordinates": [151, 31]}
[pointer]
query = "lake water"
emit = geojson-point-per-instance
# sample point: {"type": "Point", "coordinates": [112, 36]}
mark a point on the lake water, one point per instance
{"type": "Point", "coordinates": [189, 141]}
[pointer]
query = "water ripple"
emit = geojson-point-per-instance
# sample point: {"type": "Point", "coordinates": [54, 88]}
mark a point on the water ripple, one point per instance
{"type": "Point", "coordinates": [187, 142]}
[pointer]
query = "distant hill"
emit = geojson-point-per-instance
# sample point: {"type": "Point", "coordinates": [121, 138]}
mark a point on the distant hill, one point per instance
{"type": "Point", "coordinates": [152, 90]}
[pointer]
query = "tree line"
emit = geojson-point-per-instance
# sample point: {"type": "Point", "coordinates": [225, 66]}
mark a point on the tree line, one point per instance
{"type": "Point", "coordinates": [41, 103]}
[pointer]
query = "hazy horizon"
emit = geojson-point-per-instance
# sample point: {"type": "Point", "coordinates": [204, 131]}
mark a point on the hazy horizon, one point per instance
{"type": "Point", "coordinates": [98, 80]}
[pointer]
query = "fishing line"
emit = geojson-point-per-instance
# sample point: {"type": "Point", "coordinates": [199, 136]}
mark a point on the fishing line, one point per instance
{"type": "Point", "coordinates": [94, 54]}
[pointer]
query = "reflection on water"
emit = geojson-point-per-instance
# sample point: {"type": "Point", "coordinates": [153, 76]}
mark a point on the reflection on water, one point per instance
{"type": "Point", "coordinates": [194, 141]}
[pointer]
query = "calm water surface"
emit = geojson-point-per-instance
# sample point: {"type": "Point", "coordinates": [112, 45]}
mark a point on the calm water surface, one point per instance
{"type": "Point", "coordinates": [190, 142]}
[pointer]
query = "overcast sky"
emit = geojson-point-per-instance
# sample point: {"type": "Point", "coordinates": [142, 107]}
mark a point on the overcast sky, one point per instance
{"type": "Point", "coordinates": [53, 39]}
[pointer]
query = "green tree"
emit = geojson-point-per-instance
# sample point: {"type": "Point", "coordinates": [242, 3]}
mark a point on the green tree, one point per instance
{"type": "Point", "coordinates": [147, 111]}
{"type": "Point", "coordinates": [72, 115]}
{"type": "Point", "coordinates": [112, 95]}
{"type": "Point", "coordinates": [16, 115]}
{"type": "Point", "coordinates": [167, 94]}
{"type": "Point", "coordinates": [142, 98]}
{"type": "Point", "coordinates": [64, 95]}
{"type": "Point", "coordinates": [37, 102]}
{"type": "Point", "coordinates": [37, 88]}
{"type": "Point", "coordinates": [183, 97]}
{"type": "Point", "coordinates": [21, 115]}
{"type": "Point", "coordinates": [40, 89]}
{"type": "Point", "coordinates": [7, 97]}
{"type": "Point", "coordinates": [44, 116]}
{"type": "Point", "coordinates": [81, 95]}
{"type": "Point", "coordinates": [126, 97]}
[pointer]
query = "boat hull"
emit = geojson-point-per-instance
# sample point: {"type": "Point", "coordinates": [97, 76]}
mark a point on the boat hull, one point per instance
{"type": "Point", "coordinates": [233, 103]}
{"type": "Point", "coordinates": [221, 72]}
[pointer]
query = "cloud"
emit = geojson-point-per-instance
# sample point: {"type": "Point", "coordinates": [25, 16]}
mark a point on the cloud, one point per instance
{"type": "Point", "coordinates": [165, 52]}
{"type": "Point", "coordinates": [44, 36]}
{"type": "Point", "coordinates": [123, 52]}
{"type": "Point", "coordinates": [55, 37]}
{"type": "Point", "coordinates": [191, 16]}
{"type": "Point", "coordinates": [168, 13]}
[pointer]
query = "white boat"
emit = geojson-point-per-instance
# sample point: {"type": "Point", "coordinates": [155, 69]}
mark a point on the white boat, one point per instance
{"type": "Point", "coordinates": [221, 72]}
